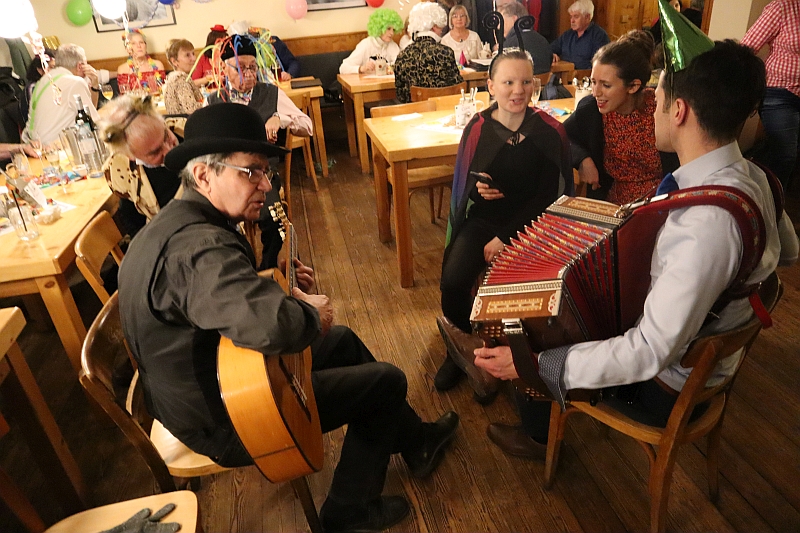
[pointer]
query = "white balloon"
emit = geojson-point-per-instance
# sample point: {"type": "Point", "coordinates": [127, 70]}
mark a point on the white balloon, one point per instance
{"type": "Point", "coordinates": [110, 9]}
{"type": "Point", "coordinates": [18, 18]}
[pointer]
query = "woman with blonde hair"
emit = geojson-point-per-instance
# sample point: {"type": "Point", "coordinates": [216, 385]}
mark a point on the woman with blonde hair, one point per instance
{"type": "Point", "coordinates": [181, 95]}
{"type": "Point", "coordinates": [464, 42]}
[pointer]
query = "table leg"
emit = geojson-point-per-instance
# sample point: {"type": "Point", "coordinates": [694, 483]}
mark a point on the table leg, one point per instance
{"type": "Point", "coordinates": [382, 196]}
{"type": "Point", "coordinates": [64, 313]}
{"type": "Point", "coordinates": [349, 118]}
{"type": "Point", "coordinates": [363, 147]}
{"type": "Point", "coordinates": [36, 422]}
{"type": "Point", "coordinates": [319, 137]}
{"type": "Point", "coordinates": [402, 223]}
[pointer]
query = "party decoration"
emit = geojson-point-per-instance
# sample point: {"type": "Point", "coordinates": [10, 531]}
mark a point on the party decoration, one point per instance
{"type": "Point", "coordinates": [166, 2]}
{"type": "Point", "coordinates": [296, 9]}
{"type": "Point", "coordinates": [374, 3]}
{"type": "Point", "coordinates": [110, 9]}
{"type": "Point", "coordinates": [682, 40]}
{"type": "Point", "coordinates": [18, 19]}
{"type": "Point", "coordinates": [79, 12]}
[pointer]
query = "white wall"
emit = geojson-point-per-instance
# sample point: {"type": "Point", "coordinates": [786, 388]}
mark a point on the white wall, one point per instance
{"type": "Point", "coordinates": [730, 19]}
{"type": "Point", "coordinates": [194, 20]}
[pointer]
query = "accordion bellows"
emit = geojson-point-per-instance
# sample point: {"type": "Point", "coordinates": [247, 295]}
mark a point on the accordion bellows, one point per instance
{"type": "Point", "coordinates": [580, 272]}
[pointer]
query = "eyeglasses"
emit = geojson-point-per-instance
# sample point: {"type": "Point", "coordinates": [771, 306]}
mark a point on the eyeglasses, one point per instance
{"type": "Point", "coordinates": [254, 175]}
{"type": "Point", "coordinates": [251, 68]}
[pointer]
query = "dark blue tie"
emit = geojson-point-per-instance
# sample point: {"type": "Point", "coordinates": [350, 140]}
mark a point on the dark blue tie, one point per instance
{"type": "Point", "coordinates": [667, 185]}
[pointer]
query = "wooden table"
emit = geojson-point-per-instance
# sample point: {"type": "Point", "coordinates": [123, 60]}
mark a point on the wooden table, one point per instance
{"type": "Point", "coordinates": [40, 266]}
{"type": "Point", "coordinates": [358, 89]}
{"type": "Point", "coordinates": [314, 93]}
{"type": "Point", "coordinates": [26, 404]}
{"type": "Point", "coordinates": [403, 145]}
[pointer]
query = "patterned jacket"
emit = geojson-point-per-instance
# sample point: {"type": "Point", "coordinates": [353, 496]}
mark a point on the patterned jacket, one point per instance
{"type": "Point", "coordinates": [424, 63]}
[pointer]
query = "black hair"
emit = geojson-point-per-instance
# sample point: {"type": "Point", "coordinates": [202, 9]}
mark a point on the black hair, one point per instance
{"type": "Point", "coordinates": [723, 87]}
{"type": "Point", "coordinates": [630, 55]}
{"type": "Point", "coordinates": [212, 38]}
{"type": "Point", "coordinates": [32, 75]}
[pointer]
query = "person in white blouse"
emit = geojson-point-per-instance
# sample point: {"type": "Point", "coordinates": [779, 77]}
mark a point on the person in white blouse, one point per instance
{"type": "Point", "coordinates": [696, 258]}
{"type": "Point", "coordinates": [462, 40]}
{"type": "Point", "coordinates": [382, 25]}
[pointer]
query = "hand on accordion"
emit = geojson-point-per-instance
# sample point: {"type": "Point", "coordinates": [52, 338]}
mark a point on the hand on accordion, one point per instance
{"type": "Point", "coordinates": [497, 361]}
{"type": "Point", "coordinates": [492, 249]}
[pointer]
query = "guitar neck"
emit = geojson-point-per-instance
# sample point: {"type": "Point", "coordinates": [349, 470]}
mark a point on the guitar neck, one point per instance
{"type": "Point", "coordinates": [291, 242]}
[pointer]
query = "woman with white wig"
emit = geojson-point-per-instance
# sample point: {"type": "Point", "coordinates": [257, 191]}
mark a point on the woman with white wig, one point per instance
{"type": "Point", "coordinates": [425, 62]}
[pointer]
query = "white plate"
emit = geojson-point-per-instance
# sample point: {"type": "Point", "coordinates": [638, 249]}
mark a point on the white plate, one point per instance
{"type": "Point", "coordinates": [484, 62]}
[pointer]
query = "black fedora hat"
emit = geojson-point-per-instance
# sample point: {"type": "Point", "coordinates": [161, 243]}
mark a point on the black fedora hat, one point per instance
{"type": "Point", "coordinates": [218, 129]}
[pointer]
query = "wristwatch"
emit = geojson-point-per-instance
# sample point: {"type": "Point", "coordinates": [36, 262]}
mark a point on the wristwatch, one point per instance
{"type": "Point", "coordinates": [276, 114]}
{"type": "Point", "coordinates": [95, 89]}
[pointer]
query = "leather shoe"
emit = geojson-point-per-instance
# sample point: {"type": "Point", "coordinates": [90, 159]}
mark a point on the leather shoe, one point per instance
{"type": "Point", "coordinates": [381, 513]}
{"type": "Point", "coordinates": [448, 375]}
{"type": "Point", "coordinates": [435, 437]}
{"type": "Point", "coordinates": [461, 348]}
{"type": "Point", "coordinates": [514, 441]}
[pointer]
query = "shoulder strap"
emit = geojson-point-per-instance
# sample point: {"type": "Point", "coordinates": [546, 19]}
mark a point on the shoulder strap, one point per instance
{"type": "Point", "coordinates": [748, 217]}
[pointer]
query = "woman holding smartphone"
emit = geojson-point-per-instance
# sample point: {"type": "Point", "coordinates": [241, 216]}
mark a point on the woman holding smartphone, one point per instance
{"type": "Point", "coordinates": [513, 161]}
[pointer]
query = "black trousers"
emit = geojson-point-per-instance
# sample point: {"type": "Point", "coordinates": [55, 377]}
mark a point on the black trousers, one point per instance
{"type": "Point", "coordinates": [644, 402]}
{"type": "Point", "coordinates": [461, 269]}
{"type": "Point", "coordinates": [353, 389]}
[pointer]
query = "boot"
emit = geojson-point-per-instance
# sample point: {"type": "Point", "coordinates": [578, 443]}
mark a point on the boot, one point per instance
{"type": "Point", "coordinates": [460, 348]}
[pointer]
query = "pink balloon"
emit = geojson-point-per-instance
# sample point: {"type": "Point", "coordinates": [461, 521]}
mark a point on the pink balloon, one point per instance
{"type": "Point", "coordinates": [296, 9]}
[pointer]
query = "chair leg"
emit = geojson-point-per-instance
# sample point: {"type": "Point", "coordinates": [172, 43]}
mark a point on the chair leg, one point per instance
{"type": "Point", "coordinates": [287, 183]}
{"type": "Point", "coordinates": [712, 460]}
{"type": "Point", "coordinates": [555, 435]}
{"type": "Point", "coordinates": [430, 201]}
{"type": "Point", "coordinates": [309, 157]}
{"type": "Point", "coordinates": [19, 505]}
{"type": "Point", "coordinates": [660, 481]}
{"type": "Point", "coordinates": [303, 493]}
{"type": "Point", "coordinates": [441, 201]}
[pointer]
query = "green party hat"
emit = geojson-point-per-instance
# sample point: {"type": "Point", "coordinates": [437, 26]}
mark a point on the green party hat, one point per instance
{"type": "Point", "coordinates": [682, 40]}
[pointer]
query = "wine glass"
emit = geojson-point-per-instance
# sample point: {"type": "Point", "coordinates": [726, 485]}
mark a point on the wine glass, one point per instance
{"type": "Point", "coordinates": [52, 156]}
{"type": "Point", "coordinates": [107, 91]}
{"type": "Point", "coordinates": [537, 91]}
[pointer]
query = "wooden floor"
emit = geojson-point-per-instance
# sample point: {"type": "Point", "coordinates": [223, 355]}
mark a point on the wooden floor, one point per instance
{"type": "Point", "coordinates": [601, 484]}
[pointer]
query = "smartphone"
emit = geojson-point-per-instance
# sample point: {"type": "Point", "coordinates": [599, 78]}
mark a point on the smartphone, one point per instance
{"type": "Point", "coordinates": [484, 178]}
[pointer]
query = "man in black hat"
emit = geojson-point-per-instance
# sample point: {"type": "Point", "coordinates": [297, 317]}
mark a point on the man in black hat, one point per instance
{"type": "Point", "coordinates": [276, 109]}
{"type": "Point", "coordinates": [189, 277]}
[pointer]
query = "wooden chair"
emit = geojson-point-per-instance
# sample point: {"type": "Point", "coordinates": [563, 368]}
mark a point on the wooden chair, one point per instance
{"type": "Point", "coordinates": [419, 94]}
{"type": "Point", "coordinates": [702, 356]}
{"type": "Point", "coordinates": [186, 513]}
{"type": "Point", "coordinates": [163, 454]}
{"type": "Point", "coordinates": [98, 239]}
{"type": "Point", "coordinates": [303, 102]}
{"type": "Point", "coordinates": [449, 102]}
{"type": "Point", "coordinates": [544, 78]}
{"type": "Point", "coordinates": [420, 178]}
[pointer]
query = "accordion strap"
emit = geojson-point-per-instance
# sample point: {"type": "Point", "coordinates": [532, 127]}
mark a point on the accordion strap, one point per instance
{"type": "Point", "coordinates": [748, 218]}
{"type": "Point", "coordinates": [525, 361]}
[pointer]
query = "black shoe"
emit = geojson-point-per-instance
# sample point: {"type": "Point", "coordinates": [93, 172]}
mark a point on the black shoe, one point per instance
{"type": "Point", "coordinates": [377, 515]}
{"type": "Point", "coordinates": [448, 375]}
{"type": "Point", "coordinates": [435, 438]}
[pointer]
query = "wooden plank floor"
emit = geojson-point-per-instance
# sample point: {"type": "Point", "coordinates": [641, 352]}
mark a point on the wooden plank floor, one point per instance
{"type": "Point", "coordinates": [601, 482]}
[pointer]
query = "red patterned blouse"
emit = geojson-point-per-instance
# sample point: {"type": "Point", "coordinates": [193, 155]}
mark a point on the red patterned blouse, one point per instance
{"type": "Point", "coordinates": [630, 154]}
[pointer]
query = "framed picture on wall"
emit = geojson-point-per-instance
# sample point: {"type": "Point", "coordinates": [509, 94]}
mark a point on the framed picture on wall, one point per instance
{"type": "Point", "coordinates": [317, 5]}
{"type": "Point", "coordinates": [141, 13]}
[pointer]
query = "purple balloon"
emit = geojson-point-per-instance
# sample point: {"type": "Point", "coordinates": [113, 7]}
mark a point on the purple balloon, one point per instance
{"type": "Point", "coordinates": [166, 2]}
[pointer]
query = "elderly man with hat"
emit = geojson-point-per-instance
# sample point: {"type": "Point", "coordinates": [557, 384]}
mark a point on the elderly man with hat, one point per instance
{"type": "Point", "coordinates": [277, 111]}
{"type": "Point", "coordinates": [189, 277]}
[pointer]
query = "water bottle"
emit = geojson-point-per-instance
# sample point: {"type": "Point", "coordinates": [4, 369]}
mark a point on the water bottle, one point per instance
{"type": "Point", "coordinates": [89, 151]}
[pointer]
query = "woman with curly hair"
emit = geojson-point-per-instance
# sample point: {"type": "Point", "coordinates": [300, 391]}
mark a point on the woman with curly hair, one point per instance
{"type": "Point", "coordinates": [382, 25]}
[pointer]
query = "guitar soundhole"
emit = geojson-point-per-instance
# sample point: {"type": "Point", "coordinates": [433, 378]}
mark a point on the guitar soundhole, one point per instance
{"type": "Point", "coordinates": [296, 386]}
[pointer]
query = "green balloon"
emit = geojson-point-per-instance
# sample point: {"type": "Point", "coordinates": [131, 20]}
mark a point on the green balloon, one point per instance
{"type": "Point", "coordinates": [79, 12]}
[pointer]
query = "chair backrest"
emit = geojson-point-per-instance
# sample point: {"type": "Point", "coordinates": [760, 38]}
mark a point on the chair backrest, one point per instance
{"type": "Point", "coordinates": [97, 240]}
{"type": "Point", "coordinates": [402, 109]}
{"type": "Point", "coordinates": [544, 78]}
{"type": "Point", "coordinates": [419, 94]}
{"type": "Point", "coordinates": [104, 350]}
{"type": "Point", "coordinates": [303, 103]}
{"type": "Point", "coordinates": [704, 354]}
{"type": "Point", "coordinates": [449, 102]}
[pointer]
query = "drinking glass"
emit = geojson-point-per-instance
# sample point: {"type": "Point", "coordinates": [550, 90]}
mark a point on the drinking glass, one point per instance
{"type": "Point", "coordinates": [537, 91]}
{"type": "Point", "coordinates": [22, 164]}
{"type": "Point", "coordinates": [107, 91]}
{"type": "Point", "coordinates": [21, 218]}
{"type": "Point", "coordinates": [52, 156]}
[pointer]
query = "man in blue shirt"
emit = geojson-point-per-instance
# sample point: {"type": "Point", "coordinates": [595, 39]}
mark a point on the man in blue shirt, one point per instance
{"type": "Point", "coordinates": [579, 43]}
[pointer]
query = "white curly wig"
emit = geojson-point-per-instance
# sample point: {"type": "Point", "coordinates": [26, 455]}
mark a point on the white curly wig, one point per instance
{"type": "Point", "coordinates": [424, 16]}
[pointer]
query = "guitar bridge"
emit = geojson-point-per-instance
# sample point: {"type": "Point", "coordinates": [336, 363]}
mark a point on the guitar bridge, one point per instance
{"type": "Point", "coordinates": [296, 386]}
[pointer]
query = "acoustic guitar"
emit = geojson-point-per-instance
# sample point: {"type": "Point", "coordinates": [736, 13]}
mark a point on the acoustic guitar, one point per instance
{"type": "Point", "coordinates": [269, 398]}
